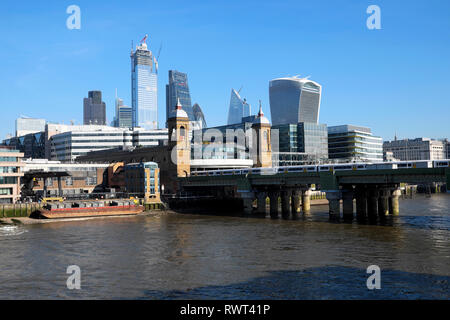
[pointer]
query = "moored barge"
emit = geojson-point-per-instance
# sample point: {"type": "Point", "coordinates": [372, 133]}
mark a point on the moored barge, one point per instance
{"type": "Point", "coordinates": [90, 209]}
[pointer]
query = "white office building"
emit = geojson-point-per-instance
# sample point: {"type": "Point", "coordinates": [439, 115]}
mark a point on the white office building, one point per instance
{"type": "Point", "coordinates": [69, 145]}
{"type": "Point", "coordinates": [416, 149]}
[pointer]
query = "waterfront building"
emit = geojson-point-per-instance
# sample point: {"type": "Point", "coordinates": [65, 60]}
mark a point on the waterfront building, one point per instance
{"type": "Point", "coordinates": [26, 125]}
{"type": "Point", "coordinates": [294, 100]}
{"type": "Point", "coordinates": [81, 178]}
{"type": "Point", "coordinates": [142, 180]}
{"type": "Point", "coordinates": [144, 88]}
{"type": "Point", "coordinates": [416, 149]}
{"type": "Point", "coordinates": [301, 143]}
{"type": "Point", "coordinates": [69, 145]}
{"type": "Point", "coordinates": [94, 109]}
{"type": "Point", "coordinates": [10, 173]}
{"type": "Point", "coordinates": [239, 108]}
{"type": "Point", "coordinates": [348, 143]}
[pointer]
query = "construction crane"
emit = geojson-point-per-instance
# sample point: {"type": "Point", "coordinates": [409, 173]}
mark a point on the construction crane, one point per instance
{"type": "Point", "coordinates": [157, 58]}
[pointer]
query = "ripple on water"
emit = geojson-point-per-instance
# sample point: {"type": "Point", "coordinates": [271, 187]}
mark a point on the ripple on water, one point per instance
{"type": "Point", "coordinates": [7, 231]}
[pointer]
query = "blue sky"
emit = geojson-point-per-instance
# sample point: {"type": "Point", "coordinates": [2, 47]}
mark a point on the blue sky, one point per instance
{"type": "Point", "coordinates": [394, 80]}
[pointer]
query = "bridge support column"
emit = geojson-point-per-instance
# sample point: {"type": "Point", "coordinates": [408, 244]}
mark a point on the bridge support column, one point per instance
{"type": "Point", "coordinates": [60, 191]}
{"type": "Point", "coordinates": [383, 207]}
{"type": "Point", "coordinates": [347, 199]}
{"type": "Point", "coordinates": [306, 201]}
{"type": "Point", "coordinates": [295, 203]}
{"type": "Point", "coordinates": [285, 197]}
{"type": "Point", "coordinates": [361, 202]}
{"type": "Point", "coordinates": [261, 204]}
{"type": "Point", "coordinates": [247, 199]}
{"type": "Point", "coordinates": [394, 207]}
{"type": "Point", "coordinates": [334, 204]}
{"type": "Point", "coordinates": [273, 196]}
{"type": "Point", "coordinates": [372, 203]}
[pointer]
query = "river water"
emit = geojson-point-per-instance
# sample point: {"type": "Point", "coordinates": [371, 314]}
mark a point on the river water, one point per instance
{"type": "Point", "coordinates": [184, 256]}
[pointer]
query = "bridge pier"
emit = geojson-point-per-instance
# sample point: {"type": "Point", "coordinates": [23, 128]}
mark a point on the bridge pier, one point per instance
{"type": "Point", "coordinates": [394, 207]}
{"type": "Point", "coordinates": [247, 200]}
{"type": "Point", "coordinates": [383, 207]}
{"type": "Point", "coordinates": [295, 203]}
{"type": "Point", "coordinates": [261, 204]}
{"type": "Point", "coordinates": [334, 204]}
{"type": "Point", "coordinates": [273, 196]}
{"type": "Point", "coordinates": [347, 199]}
{"type": "Point", "coordinates": [361, 202]}
{"type": "Point", "coordinates": [372, 203]}
{"type": "Point", "coordinates": [285, 208]}
{"type": "Point", "coordinates": [306, 201]}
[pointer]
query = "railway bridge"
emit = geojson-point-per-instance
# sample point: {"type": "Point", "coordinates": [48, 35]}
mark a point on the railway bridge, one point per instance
{"type": "Point", "coordinates": [376, 191]}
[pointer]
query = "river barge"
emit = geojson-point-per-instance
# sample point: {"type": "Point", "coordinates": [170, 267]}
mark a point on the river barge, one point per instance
{"type": "Point", "coordinates": [89, 209]}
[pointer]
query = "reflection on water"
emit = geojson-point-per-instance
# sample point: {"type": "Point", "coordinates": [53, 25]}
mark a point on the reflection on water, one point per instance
{"type": "Point", "coordinates": [174, 256]}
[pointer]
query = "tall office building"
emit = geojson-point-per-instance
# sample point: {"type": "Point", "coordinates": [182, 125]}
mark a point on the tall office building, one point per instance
{"type": "Point", "coordinates": [124, 115]}
{"type": "Point", "coordinates": [144, 87]}
{"type": "Point", "coordinates": [178, 88]}
{"type": "Point", "coordinates": [94, 109]}
{"type": "Point", "coordinates": [238, 108]}
{"type": "Point", "coordinates": [294, 100]}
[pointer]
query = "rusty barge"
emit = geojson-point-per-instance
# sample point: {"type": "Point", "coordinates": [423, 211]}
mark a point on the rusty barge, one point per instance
{"type": "Point", "coordinates": [90, 209]}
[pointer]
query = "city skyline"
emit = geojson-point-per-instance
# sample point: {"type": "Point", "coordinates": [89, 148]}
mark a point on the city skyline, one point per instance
{"type": "Point", "coordinates": [401, 98]}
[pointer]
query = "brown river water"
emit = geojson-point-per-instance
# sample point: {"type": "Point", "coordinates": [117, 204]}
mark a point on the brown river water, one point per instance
{"type": "Point", "coordinates": [186, 256]}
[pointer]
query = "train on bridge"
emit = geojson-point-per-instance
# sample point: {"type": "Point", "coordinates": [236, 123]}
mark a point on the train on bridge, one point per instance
{"type": "Point", "coordinates": [328, 167]}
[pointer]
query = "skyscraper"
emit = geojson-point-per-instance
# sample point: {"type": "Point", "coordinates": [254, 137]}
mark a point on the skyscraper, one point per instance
{"type": "Point", "coordinates": [238, 108]}
{"type": "Point", "coordinates": [199, 116]}
{"type": "Point", "coordinates": [94, 109]}
{"type": "Point", "coordinates": [294, 100]}
{"type": "Point", "coordinates": [178, 88]}
{"type": "Point", "coordinates": [144, 87]}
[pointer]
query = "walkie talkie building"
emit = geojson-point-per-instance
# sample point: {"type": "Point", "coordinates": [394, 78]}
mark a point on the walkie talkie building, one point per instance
{"type": "Point", "coordinates": [294, 100]}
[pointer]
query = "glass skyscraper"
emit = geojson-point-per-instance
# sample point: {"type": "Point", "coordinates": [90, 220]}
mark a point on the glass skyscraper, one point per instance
{"type": "Point", "coordinates": [238, 108]}
{"type": "Point", "coordinates": [178, 88]}
{"type": "Point", "coordinates": [144, 88]}
{"type": "Point", "coordinates": [199, 116]}
{"type": "Point", "coordinates": [294, 100]}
